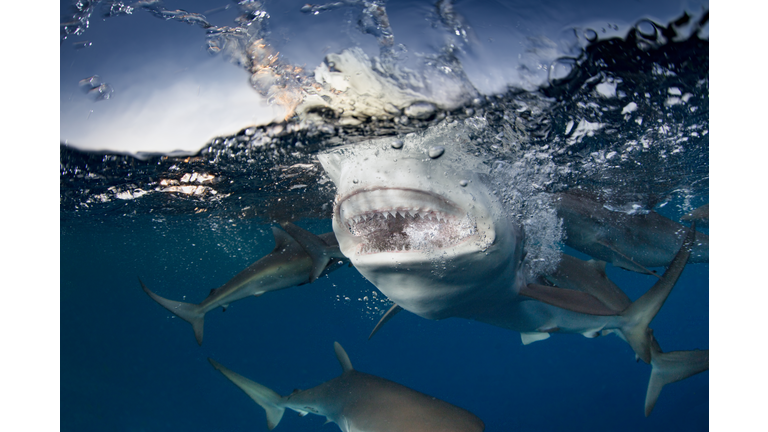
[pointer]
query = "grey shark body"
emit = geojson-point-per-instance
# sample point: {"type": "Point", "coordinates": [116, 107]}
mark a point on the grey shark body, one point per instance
{"type": "Point", "coordinates": [286, 266]}
{"type": "Point", "coordinates": [630, 241]}
{"type": "Point", "coordinates": [435, 247]}
{"type": "Point", "coordinates": [418, 220]}
{"type": "Point", "coordinates": [359, 402]}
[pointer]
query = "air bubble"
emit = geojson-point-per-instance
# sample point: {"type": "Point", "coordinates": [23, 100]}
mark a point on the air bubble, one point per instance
{"type": "Point", "coordinates": [561, 68]}
{"type": "Point", "coordinates": [590, 35]}
{"type": "Point", "coordinates": [397, 144]}
{"type": "Point", "coordinates": [647, 29]}
{"type": "Point", "coordinates": [463, 183]}
{"type": "Point", "coordinates": [91, 81]}
{"type": "Point", "coordinates": [420, 110]}
{"type": "Point", "coordinates": [436, 151]}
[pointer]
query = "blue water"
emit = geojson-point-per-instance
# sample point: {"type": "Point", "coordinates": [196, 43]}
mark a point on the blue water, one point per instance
{"type": "Point", "coordinates": [127, 364]}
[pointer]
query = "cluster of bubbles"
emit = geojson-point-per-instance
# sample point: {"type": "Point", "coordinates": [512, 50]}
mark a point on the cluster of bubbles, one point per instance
{"type": "Point", "coordinates": [370, 302]}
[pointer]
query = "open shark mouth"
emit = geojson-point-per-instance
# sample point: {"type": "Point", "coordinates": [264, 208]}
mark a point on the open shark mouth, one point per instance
{"type": "Point", "coordinates": [403, 220]}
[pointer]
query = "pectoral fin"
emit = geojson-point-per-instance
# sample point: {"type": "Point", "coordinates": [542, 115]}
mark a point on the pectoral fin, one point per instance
{"type": "Point", "coordinates": [571, 300]}
{"type": "Point", "coordinates": [531, 337]}
{"type": "Point", "coordinates": [386, 317]}
{"type": "Point", "coordinates": [625, 262]}
{"type": "Point", "coordinates": [315, 247]}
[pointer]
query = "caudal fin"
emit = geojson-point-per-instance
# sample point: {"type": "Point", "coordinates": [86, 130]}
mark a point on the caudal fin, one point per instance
{"type": "Point", "coordinates": [189, 312]}
{"type": "Point", "coordinates": [265, 397]}
{"type": "Point", "coordinates": [672, 367]}
{"type": "Point", "coordinates": [640, 313]}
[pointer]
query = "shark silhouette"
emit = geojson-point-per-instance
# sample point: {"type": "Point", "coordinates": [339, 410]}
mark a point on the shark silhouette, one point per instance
{"type": "Point", "coordinates": [359, 402]}
{"type": "Point", "coordinates": [286, 266]}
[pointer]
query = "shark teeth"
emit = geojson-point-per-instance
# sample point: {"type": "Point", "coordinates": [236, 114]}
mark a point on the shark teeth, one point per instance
{"type": "Point", "coordinates": [400, 220]}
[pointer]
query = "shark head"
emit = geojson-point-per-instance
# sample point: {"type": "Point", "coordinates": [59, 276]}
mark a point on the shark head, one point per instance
{"type": "Point", "coordinates": [418, 219]}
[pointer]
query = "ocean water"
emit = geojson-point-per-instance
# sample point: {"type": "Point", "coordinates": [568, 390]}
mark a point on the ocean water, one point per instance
{"type": "Point", "coordinates": [606, 98]}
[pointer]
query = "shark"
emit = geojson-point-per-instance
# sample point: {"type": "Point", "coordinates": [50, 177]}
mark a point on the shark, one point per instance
{"type": "Point", "coordinates": [634, 240]}
{"type": "Point", "coordinates": [286, 266]}
{"type": "Point", "coordinates": [416, 216]}
{"type": "Point", "coordinates": [359, 402]}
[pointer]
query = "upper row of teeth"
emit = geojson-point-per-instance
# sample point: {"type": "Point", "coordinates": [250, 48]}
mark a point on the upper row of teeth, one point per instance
{"type": "Point", "coordinates": [428, 215]}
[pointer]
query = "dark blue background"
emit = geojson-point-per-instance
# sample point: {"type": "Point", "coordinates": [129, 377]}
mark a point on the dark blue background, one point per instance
{"type": "Point", "coordinates": [127, 365]}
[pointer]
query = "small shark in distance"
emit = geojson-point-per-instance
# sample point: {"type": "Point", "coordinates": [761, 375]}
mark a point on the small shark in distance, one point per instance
{"type": "Point", "coordinates": [418, 219]}
{"type": "Point", "coordinates": [286, 266]}
{"type": "Point", "coordinates": [359, 402]}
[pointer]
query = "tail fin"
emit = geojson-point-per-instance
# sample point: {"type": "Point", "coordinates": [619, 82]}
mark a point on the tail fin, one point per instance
{"type": "Point", "coordinates": [266, 398]}
{"type": "Point", "coordinates": [672, 367]}
{"type": "Point", "coordinates": [640, 313]}
{"type": "Point", "coordinates": [189, 312]}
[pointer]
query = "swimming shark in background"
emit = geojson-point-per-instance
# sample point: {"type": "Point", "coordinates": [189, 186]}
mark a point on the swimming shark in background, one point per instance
{"type": "Point", "coordinates": [632, 241]}
{"type": "Point", "coordinates": [358, 402]}
{"type": "Point", "coordinates": [416, 217]}
{"type": "Point", "coordinates": [286, 266]}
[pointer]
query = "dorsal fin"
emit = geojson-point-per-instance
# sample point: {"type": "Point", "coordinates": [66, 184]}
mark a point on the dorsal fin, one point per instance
{"type": "Point", "coordinates": [213, 292]}
{"type": "Point", "coordinates": [282, 239]}
{"type": "Point", "coordinates": [346, 365]}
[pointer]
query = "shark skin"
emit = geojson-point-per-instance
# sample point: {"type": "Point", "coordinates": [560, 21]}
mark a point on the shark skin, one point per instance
{"type": "Point", "coordinates": [286, 266]}
{"type": "Point", "coordinates": [430, 235]}
{"type": "Point", "coordinates": [359, 402]}
{"type": "Point", "coordinates": [629, 241]}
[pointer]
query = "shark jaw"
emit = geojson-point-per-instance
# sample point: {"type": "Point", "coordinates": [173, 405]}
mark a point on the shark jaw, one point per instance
{"type": "Point", "coordinates": [394, 220]}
